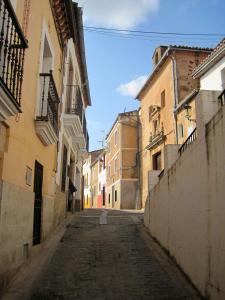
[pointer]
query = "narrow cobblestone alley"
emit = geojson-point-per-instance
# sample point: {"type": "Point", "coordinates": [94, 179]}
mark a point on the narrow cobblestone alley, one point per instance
{"type": "Point", "coordinates": [112, 261]}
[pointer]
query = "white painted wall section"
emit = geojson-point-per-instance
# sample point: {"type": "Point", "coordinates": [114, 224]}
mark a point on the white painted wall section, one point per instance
{"type": "Point", "coordinates": [214, 79]}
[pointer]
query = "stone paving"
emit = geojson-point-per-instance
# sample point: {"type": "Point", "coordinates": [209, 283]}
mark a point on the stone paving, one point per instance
{"type": "Point", "coordinates": [106, 262]}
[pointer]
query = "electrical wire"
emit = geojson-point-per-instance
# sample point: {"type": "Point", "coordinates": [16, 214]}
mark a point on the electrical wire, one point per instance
{"type": "Point", "coordinates": [147, 37]}
{"type": "Point", "coordinates": [159, 39]}
{"type": "Point", "coordinates": [155, 32]}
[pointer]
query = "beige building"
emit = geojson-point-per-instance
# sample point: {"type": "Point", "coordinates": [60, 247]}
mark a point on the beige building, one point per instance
{"type": "Point", "coordinates": [122, 176]}
{"type": "Point", "coordinates": [36, 147]}
{"type": "Point", "coordinates": [165, 116]}
{"type": "Point", "coordinates": [87, 182]}
{"type": "Point", "coordinates": [95, 167]}
{"type": "Point", "coordinates": [185, 209]}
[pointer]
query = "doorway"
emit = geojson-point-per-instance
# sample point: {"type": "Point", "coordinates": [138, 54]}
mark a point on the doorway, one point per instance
{"type": "Point", "coordinates": [113, 195]}
{"type": "Point", "coordinates": [38, 181]}
{"type": "Point", "coordinates": [103, 196]}
{"type": "Point", "coordinates": [157, 161]}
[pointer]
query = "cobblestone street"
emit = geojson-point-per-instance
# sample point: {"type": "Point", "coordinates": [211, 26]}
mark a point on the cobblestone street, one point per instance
{"type": "Point", "coordinates": [113, 261]}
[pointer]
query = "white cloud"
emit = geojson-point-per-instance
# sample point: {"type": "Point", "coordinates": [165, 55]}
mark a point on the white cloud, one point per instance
{"type": "Point", "coordinates": [124, 14]}
{"type": "Point", "coordinates": [133, 87]}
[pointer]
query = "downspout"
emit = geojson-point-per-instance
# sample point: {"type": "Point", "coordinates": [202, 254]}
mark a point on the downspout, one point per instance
{"type": "Point", "coordinates": [139, 195]}
{"type": "Point", "coordinates": [175, 85]}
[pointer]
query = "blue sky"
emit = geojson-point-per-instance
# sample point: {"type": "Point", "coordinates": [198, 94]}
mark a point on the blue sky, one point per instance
{"type": "Point", "coordinates": [113, 61]}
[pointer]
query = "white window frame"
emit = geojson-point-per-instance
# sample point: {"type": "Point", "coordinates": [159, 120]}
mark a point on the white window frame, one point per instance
{"type": "Point", "coordinates": [116, 137]}
{"type": "Point", "coordinates": [44, 34]}
{"type": "Point", "coordinates": [115, 164]}
{"type": "Point", "coordinates": [109, 170]}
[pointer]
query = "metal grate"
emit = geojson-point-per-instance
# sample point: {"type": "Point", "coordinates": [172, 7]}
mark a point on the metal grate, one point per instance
{"type": "Point", "coordinates": [49, 100]}
{"type": "Point", "coordinates": [192, 137]}
{"type": "Point", "coordinates": [12, 48]}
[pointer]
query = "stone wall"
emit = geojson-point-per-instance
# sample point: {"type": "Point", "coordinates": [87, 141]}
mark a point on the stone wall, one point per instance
{"type": "Point", "coordinates": [16, 229]}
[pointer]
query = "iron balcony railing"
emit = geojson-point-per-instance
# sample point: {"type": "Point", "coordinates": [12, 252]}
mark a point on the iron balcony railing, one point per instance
{"type": "Point", "coordinates": [192, 137]}
{"type": "Point", "coordinates": [76, 107]}
{"type": "Point", "coordinates": [221, 98]}
{"type": "Point", "coordinates": [156, 139]}
{"type": "Point", "coordinates": [12, 48]}
{"type": "Point", "coordinates": [49, 101]}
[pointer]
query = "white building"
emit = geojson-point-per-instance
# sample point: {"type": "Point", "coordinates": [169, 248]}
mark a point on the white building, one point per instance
{"type": "Point", "coordinates": [73, 135]}
{"type": "Point", "coordinates": [87, 182]}
{"type": "Point", "coordinates": [212, 70]}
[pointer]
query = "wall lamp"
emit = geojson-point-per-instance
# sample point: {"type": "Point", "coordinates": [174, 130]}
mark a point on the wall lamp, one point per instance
{"type": "Point", "coordinates": [187, 107]}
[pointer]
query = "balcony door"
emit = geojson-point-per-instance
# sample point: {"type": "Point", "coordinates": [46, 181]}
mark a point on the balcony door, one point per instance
{"type": "Point", "coordinates": [46, 66]}
{"type": "Point", "coordinates": [38, 181]}
{"type": "Point", "coordinates": [70, 107]}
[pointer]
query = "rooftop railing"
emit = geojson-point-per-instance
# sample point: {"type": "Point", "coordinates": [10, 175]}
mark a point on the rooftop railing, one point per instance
{"type": "Point", "coordinates": [12, 48]}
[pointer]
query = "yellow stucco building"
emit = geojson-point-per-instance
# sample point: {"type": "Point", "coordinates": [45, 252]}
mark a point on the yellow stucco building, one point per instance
{"type": "Point", "coordinates": [167, 109]}
{"type": "Point", "coordinates": [122, 161]}
{"type": "Point", "coordinates": [38, 36]}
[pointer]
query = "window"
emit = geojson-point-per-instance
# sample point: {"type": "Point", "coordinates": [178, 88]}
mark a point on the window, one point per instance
{"type": "Point", "coordinates": [155, 127]}
{"type": "Point", "coordinates": [109, 198]}
{"type": "Point", "coordinates": [69, 90]}
{"type": "Point", "coordinates": [103, 196]}
{"type": "Point", "coordinates": [115, 165]}
{"type": "Point", "coordinates": [109, 146]}
{"type": "Point", "coordinates": [64, 169]}
{"type": "Point", "coordinates": [156, 161]}
{"type": "Point", "coordinates": [99, 187]}
{"type": "Point", "coordinates": [94, 191]}
{"type": "Point", "coordinates": [150, 113]}
{"type": "Point", "coordinates": [116, 137]}
{"type": "Point", "coordinates": [163, 99]}
{"type": "Point", "coordinates": [156, 58]}
{"type": "Point", "coordinates": [180, 131]}
{"type": "Point", "coordinates": [109, 171]}
{"type": "Point", "coordinates": [115, 195]}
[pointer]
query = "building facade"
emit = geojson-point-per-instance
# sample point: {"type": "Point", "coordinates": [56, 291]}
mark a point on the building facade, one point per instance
{"type": "Point", "coordinates": [167, 109]}
{"type": "Point", "coordinates": [122, 161]}
{"type": "Point", "coordinates": [94, 174]}
{"type": "Point", "coordinates": [38, 155]}
{"type": "Point", "coordinates": [193, 188]}
{"type": "Point", "coordinates": [87, 182]}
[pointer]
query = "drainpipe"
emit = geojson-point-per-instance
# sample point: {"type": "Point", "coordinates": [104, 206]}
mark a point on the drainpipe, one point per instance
{"type": "Point", "coordinates": [138, 197]}
{"type": "Point", "coordinates": [175, 85]}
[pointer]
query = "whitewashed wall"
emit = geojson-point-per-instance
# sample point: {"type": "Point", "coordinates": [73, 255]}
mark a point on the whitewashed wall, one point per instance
{"type": "Point", "coordinates": [185, 211]}
{"type": "Point", "coordinates": [213, 79]}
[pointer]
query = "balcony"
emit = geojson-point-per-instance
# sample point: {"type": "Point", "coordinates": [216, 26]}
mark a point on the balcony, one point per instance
{"type": "Point", "coordinates": [75, 121]}
{"type": "Point", "coordinates": [47, 120]}
{"type": "Point", "coordinates": [12, 49]}
{"type": "Point", "coordinates": [156, 139]}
